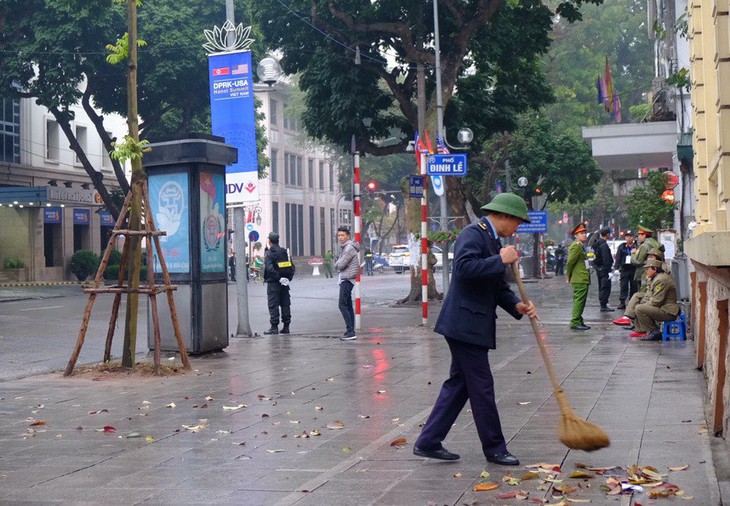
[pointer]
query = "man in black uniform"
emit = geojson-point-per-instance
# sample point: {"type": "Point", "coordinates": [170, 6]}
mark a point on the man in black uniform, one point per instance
{"type": "Point", "coordinates": [627, 269]}
{"type": "Point", "coordinates": [278, 271]}
{"type": "Point", "coordinates": [603, 264]}
{"type": "Point", "coordinates": [468, 322]}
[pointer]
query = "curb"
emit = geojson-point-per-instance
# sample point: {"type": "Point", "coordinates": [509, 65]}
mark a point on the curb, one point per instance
{"type": "Point", "coordinates": [39, 283]}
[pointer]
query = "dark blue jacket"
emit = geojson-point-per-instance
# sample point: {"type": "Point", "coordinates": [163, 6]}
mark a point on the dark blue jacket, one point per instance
{"type": "Point", "coordinates": [477, 287]}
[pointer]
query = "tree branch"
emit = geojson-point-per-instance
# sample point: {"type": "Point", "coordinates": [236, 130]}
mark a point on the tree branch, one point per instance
{"type": "Point", "coordinates": [98, 122]}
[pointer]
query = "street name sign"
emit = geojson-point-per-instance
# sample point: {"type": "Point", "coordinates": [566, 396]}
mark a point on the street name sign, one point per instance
{"type": "Point", "coordinates": [446, 165]}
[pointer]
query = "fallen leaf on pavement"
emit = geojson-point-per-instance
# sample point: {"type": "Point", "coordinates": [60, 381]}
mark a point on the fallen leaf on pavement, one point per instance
{"type": "Point", "coordinates": [484, 475]}
{"type": "Point", "coordinates": [524, 403]}
{"type": "Point", "coordinates": [398, 442]}
{"type": "Point", "coordinates": [209, 398]}
{"type": "Point", "coordinates": [315, 432]}
{"type": "Point", "coordinates": [485, 486]}
{"type": "Point", "coordinates": [276, 451]}
{"type": "Point", "coordinates": [318, 408]}
{"type": "Point", "coordinates": [133, 435]}
{"type": "Point", "coordinates": [581, 474]}
{"type": "Point", "coordinates": [381, 392]}
{"type": "Point", "coordinates": [232, 408]}
{"type": "Point", "coordinates": [679, 468]}
{"type": "Point", "coordinates": [293, 421]}
{"type": "Point", "coordinates": [262, 397]}
{"type": "Point", "coordinates": [510, 480]}
{"type": "Point", "coordinates": [457, 475]}
{"type": "Point", "coordinates": [529, 476]}
{"type": "Point", "coordinates": [517, 494]}
{"type": "Point", "coordinates": [346, 449]}
{"type": "Point", "coordinates": [336, 425]}
{"type": "Point", "coordinates": [364, 416]}
{"type": "Point", "coordinates": [107, 428]}
{"type": "Point", "coordinates": [171, 405]}
{"type": "Point", "coordinates": [542, 466]}
{"type": "Point", "coordinates": [37, 423]}
{"type": "Point", "coordinates": [330, 379]}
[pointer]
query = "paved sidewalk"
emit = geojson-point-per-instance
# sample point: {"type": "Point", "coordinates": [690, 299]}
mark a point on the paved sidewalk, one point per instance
{"type": "Point", "coordinates": [310, 420]}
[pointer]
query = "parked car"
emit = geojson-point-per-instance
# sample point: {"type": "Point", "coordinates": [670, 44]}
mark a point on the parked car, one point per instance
{"type": "Point", "coordinates": [440, 257]}
{"type": "Point", "coordinates": [400, 258]}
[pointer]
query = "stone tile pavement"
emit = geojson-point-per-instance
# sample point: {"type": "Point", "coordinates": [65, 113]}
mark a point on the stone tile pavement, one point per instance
{"type": "Point", "coordinates": [310, 420]}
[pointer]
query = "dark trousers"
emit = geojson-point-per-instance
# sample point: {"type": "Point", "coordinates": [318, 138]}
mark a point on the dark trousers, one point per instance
{"type": "Point", "coordinates": [627, 287]}
{"type": "Point", "coordinates": [560, 267]}
{"type": "Point", "coordinates": [470, 378]}
{"type": "Point", "coordinates": [345, 305]}
{"type": "Point", "coordinates": [604, 286]}
{"type": "Point", "coordinates": [369, 266]}
{"type": "Point", "coordinates": [277, 296]}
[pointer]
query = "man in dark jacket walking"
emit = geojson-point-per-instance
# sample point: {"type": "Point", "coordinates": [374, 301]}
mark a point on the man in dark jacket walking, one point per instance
{"type": "Point", "coordinates": [278, 271]}
{"type": "Point", "coordinates": [468, 322]}
{"type": "Point", "coordinates": [603, 264]}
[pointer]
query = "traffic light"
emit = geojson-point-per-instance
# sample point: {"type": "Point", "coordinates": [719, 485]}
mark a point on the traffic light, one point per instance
{"type": "Point", "coordinates": [538, 191]}
{"type": "Point", "coordinates": [372, 186]}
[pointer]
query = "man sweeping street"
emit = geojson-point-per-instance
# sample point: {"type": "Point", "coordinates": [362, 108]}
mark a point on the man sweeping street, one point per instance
{"type": "Point", "coordinates": [467, 321]}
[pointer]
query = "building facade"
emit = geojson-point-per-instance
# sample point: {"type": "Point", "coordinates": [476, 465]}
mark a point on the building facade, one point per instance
{"type": "Point", "coordinates": [709, 245]}
{"type": "Point", "coordinates": [48, 206]}
{"type": "Point", "coordinates": [301, 198]}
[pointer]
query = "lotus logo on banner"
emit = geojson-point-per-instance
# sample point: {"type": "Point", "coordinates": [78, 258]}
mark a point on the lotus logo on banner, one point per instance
{"type": "Point", "coordinates": [232, 109]}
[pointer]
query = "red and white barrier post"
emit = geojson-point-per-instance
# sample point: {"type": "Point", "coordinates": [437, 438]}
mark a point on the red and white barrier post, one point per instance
{"type": "Point", "coordinates": [358, 226]}
{"type": "Point", "coordinates": [424, 242]}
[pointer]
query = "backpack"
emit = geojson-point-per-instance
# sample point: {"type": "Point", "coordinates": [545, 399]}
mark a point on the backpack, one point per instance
{"type": "Point", "coordinates": [284, 266]}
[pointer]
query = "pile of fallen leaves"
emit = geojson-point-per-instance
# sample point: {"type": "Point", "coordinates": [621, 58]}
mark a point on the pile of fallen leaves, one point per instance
{"type": "Point", "coordinates": [549, 479]}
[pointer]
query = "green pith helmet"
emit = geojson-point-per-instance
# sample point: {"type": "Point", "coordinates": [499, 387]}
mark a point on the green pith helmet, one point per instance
{"type": "Point", "coordinates": [508, 203]}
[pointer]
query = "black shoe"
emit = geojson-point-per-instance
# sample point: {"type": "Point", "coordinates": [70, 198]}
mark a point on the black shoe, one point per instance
{"type": "Point", "coordinates": [630, 327]}
{"type": "Point", "coordinates": [503, 459]}
{"type": "Point", "coordinates": [272, 330]}
{"type": "Point", "coordinates": [348, 336]}
{"type": "Point", "coordinates": [285, 329]}
{"type": "Point", "coordinates": [580, 327]}
{"type": "Point", "coordinates": [440, 453]}
{"type": "Point", "coordinates": [606, 309]}
{"type": "Point", "coordinates": [622, 305]}
{"type": "Point", "coordinates": [654, 335]}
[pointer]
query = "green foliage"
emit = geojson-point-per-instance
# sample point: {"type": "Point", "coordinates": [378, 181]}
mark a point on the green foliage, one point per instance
{"type": "Point", "coordinates": [84, 263]}
{"type": "Point", "coordinates": [442, 237]}
{"type": "Point", "coordinates": [640, 112]}
{"type": "Point", "coordinates": [112, 273]}
{"type": "Point", "coordinates": [13, 263]}
{"type": "Point", "coordinates": [129, 149]}
{"type": "Point", "coordinates": [490, 57]}
{"type": "Point", "coordinates": [616, 30]}
{"type": "Point", "coordinates": [120, 50]}
{"type": "Point", "coordinates": [646, 207]}
{"type": "Point", "coordinates": [115, 257]}
{"type": "Point", "coordinates": [680, 79]}
{"type": "Point", "coordinates": [559, 163]}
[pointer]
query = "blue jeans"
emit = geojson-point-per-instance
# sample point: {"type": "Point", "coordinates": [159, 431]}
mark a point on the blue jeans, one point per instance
{"type": "Point", "coordinates": [345, 305]}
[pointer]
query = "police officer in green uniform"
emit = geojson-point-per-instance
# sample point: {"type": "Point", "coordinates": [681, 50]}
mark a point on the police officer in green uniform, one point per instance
{"type": "Point", "coordinates": [658, 305]}
{"type": "Point", "coordinates": [639, 255]}
{"type": "Point", "coordinates": [576, 273]}
{"type": "Point", "coordinates": [630, 314]}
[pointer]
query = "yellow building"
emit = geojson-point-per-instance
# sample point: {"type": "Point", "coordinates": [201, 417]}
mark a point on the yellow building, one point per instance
{"type": "Point", "coordinates": [709, 245]}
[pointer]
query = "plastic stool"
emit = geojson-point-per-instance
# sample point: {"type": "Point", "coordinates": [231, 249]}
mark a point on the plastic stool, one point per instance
{"type": "Point", "coordinates": [675, 329]}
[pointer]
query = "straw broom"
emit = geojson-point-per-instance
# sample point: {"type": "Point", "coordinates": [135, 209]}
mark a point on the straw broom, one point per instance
{"type": "Point", "coordinates": [573, 432]}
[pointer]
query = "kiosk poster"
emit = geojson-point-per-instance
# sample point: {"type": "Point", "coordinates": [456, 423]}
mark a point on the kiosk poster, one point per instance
{"type": "Point", "coordinates": [169, 195]}
{"type": "Point", "coordinates": [232, 117]}
{"type": "Point", "coordinates": [212, 222]}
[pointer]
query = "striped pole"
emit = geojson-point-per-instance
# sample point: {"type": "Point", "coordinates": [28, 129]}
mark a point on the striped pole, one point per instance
{"type": "Point", "coordinates": [424, 242]}
{"type": "Point", "coordinates": [356, 206]}
{"type": "Point", "coordinates": [543, 260]}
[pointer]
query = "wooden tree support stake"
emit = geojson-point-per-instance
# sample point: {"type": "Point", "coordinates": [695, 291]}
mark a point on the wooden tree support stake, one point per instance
{"type": "Point", "coordinates": [152, 290]}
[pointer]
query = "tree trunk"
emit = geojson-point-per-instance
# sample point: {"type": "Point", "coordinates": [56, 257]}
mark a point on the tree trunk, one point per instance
{"type": "Point", "coordinates": [135, 209]}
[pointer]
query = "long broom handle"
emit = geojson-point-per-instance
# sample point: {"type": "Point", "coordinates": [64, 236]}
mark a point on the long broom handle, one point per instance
{"type": "Point", "coordinates": [536, 329]}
